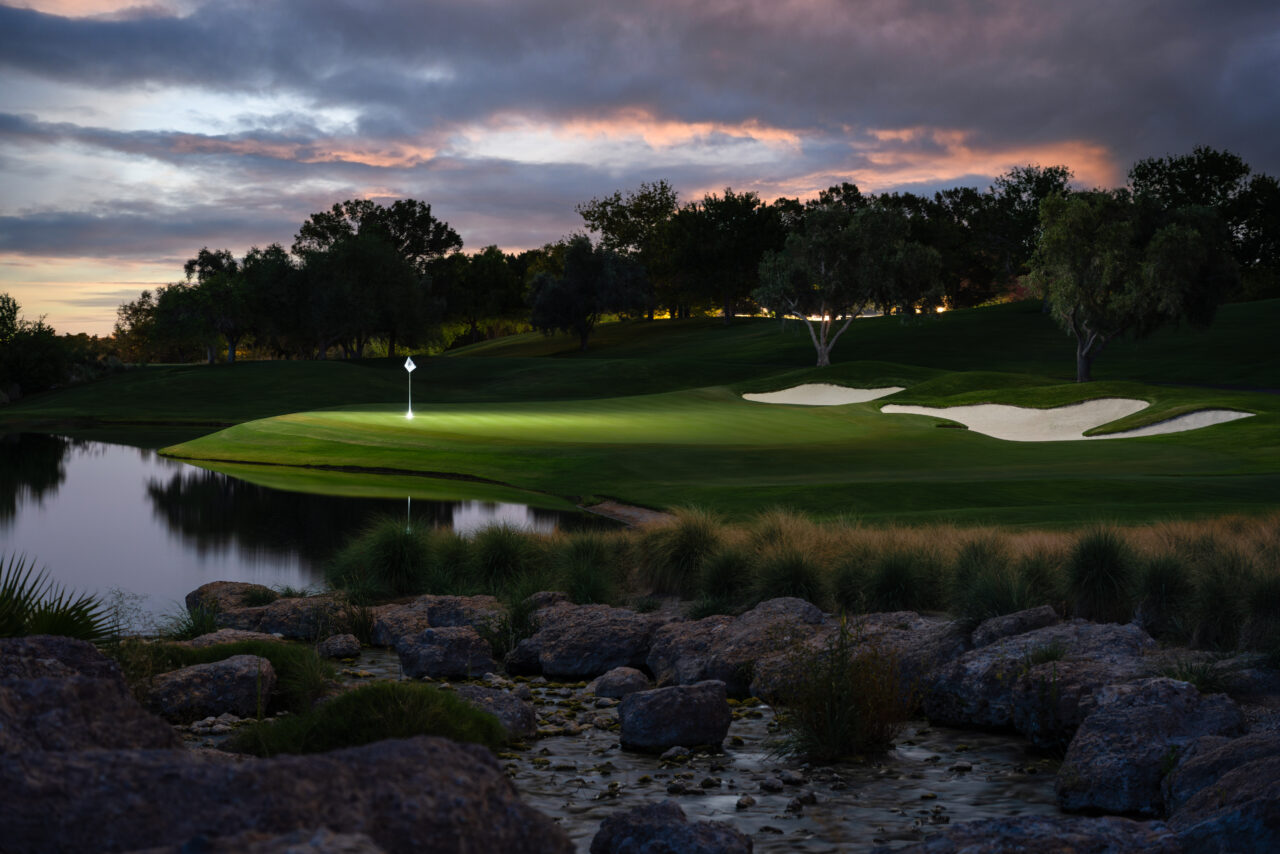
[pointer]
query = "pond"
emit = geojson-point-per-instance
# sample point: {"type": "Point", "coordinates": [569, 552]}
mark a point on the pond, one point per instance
{"type": "Point", "coordinates": [101, 516]}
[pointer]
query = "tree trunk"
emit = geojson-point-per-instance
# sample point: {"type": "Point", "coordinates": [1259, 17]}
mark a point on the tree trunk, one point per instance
{"type": "Point", "coordinates": [391, 344]}
{"type": "Point", "coordinates": [231, 349]}
{"type": "Point", "coordinates": [1084, 362]}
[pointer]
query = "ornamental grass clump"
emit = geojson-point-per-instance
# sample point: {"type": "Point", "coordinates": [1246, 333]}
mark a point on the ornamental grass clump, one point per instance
{"type": "Point", "coordinates": [501, 553]}
{"type": "Point", "coordinates": [372, 713]}
{"type": "Point", "coordinates": [1100, 575]}
{"type": "Point", "coordinates": [587, 568]}
{"type": "Point", "coordinates": [849, 581]}
{"type": "Point", "coordinates": [387, 559]}
{"type": "Point", "coordinates": [846, 699]}
{"type": "Point", "coordinates": [671, 557]}
{"type": "Point", "coordinates": [1165, 591]}
{"type": "Point", "coordinates": [724, 585]}
{"type": "Point", "coordinates": [984, 583]}
{"type": "Point", "coordinates": [787, 570]}
{"type": "Point", "coordinates": [1217, 601]}
{"type": "Point", "coordinates": [903, 578]}
{"type": "Point", "coordinates": [32, 604]}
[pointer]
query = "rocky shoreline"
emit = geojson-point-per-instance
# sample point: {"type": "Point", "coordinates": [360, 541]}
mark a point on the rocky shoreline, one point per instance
{"type": "Point", "coordinates": [1148, 763]}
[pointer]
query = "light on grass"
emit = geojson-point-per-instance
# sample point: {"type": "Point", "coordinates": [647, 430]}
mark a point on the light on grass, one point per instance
{"type": "Point", "coordinates": [409, 367]}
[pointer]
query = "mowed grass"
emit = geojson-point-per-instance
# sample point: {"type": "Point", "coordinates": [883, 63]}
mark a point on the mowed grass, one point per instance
{"type": "Point", "coordinates": [711, 448]}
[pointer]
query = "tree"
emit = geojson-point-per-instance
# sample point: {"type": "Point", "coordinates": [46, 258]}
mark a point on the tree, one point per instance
{"type": "Point", "coordinates": [1109, 264]}
{"type": "Point", "coordinates": [595, 281]}
{"type": "Point", "coordinates": [482, 286]}
{"type": "Point", "coordinates": [222, 296]}
{"type": "Point", "coordinates": [8, 318]}
{"type": "Point", "coordinates": [635, 226]}
{"type": "Point", "coordinates": [32, 356]}
{"type": "Point", "coordinates": [837, 265]}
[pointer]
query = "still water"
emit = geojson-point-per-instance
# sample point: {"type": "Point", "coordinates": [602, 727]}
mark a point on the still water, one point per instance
{"type": "Point", "coordinates": [100, 516]}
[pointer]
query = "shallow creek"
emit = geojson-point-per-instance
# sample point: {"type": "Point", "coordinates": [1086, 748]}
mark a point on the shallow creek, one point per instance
{"type": "Point", "coordinates": [933, 776]}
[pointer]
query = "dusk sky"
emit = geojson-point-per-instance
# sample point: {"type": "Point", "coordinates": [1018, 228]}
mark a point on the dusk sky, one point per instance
{"type": "Point", "coordinates": [133, 135]}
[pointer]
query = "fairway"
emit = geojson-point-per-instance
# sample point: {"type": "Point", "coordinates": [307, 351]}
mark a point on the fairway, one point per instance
{"type": "Point", "coordinates": [712, 448]}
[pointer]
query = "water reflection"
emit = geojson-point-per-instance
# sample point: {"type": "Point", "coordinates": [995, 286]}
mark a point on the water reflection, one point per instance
{"type": "Point", "coordinates": [100, 516]}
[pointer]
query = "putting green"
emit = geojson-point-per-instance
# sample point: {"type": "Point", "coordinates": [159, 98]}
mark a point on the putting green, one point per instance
{"type": "Point", "coordinates": [708, 446]}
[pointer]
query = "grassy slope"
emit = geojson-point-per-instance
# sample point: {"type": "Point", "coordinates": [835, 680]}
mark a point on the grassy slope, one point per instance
{"type": "Point", "coordinates": [651, 414]}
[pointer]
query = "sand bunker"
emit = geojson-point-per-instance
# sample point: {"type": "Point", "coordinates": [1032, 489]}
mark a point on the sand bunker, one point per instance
{"type": "Point", "coordinates": [1064, 423]}
{"type": "Point", "coordinates": [822, 394]}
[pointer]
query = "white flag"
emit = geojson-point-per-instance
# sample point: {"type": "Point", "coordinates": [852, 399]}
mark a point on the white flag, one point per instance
{"type": "Point", "coordinates": [409, 365]}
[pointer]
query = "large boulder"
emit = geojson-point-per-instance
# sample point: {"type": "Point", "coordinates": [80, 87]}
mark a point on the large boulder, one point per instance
{"type": "Point", "coordinates": [227, 595]}
{"type": "Point", "coordinates": [62, 694]}
{"type": "Point", "coordinates": [585, 641]}
{"type": "Point", "coordinates": [392, 623]}
{"type": "Point", "coordinates": [728, 648]}
{"type": "Point", "coordinates": [1037, 683]}
{"type": "Point", "coordinates": [1047, 835]}
{"type": "Point", "coordinates": [1018, 623]}
{"type": "Point", "coordinates": [618, 683]}
{"type": "Point", "coordinates": [679, 715]}
{"type": "Point", "coordinates": [1209, 758]}
{"type": "Point", "coordinates": [339, 646]}
{"type": "Point", "coordinates": [518, 717]}
{"type": "Point", "coordinates": [420, 794]}
{"type": "Point", "coordinates": [455, 652]}
{"type": "Point", "coordinates": [663, 827]}
{"type": "Point", "coordinates": [1131, 739]}
{"type": "Point", "coordinates": [222, 636]}
{"type": "Point", "coordinates": [301, 618]}
{"type": "Point", "coordinates": [241, 685]}
{"type": "Point", "coordinates": [1239, 812]}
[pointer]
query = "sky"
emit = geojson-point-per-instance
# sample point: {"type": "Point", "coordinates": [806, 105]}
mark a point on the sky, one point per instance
{"type": "Point", "coordinates": [133, 135]}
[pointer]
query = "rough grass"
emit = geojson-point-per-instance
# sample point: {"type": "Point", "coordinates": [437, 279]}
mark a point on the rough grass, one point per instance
{"type": "Point", "coordinates": [372, 713]}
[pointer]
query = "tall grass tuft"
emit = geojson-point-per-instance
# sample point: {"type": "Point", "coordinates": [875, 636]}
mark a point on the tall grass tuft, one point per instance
{"type": "Point", "coordinates": [385, 559]}
{"type": "Point", "coordinates": [672, 556]}
{"type": "Point", "coordinates": [189, 623]}
{"type": "Point", "coordinates": [372, 713]}
{"type": "Point", "coordinates": [849, 583]}
{"type": "Point", "coordinates": [847, 699]}
{"type": "Point", "coordinates": [501, 553]}
{"type": "Point", "coordinates": [900, 580]}
{"type": "Point", "coordinates": [786, 570]}
{"type": "Point", "coordinates": [1218, 608]}
{"type": "Point", "coordinates": [448, 556]}
{"type": "Point", "coordinates": [1165, 592]}
{"type": "Point", "coordinates": [726, 579]}
{"type": "Point", "coordinates": [1261, 631]}
{"type": "Point", "coordinates": [587, 568]}
{"type": "Point", "coordinates": [1100, 575]}
{"type": "Point", "coordinates": [32, 604]}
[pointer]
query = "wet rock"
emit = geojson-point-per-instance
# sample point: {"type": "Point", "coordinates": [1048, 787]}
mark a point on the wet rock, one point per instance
{"type": "Point", "coordinates": [728, 648]}
{"type": "Point", "coordinates": [241, 685]}
{"type": "Point", "coordinates": [226, 595]}
{"type": "Point", "coordinates": [453, 652]}
{"type": "Point", "coordinates": [1019, 623]}
{"type": "Point", "coordinates": [1207, 759]}
{"type": "Point", "coordinates": [222, 636]}
{"type": "Point", "coordinates": [407, 795]}
{"type": "Point", "coordinates": [1239, 812]}
{"type": "Point", "coordinates": [317, 841]}
{"type": "Point", "coordinates": [685, 715]}
{"type": "Point", "coordinates": [1131, 739]}
{"type": "Point", "coordinates": [663, 827]}
{"type": "Point", "coordinates": [302, 618]}
{"type": "Point", "coordinates": [392, 623]}
{"type": "Point", "coordinates": [676, 754]}
{"type": "Point", "coordinates": [1036, 682]}
{"type": "Point", "coordinates": [792, 778]}
{"type": "Point", "coordinates": [745, 802]}
{"type": "Point", "coordinates": [1047, 835]}
{"type": "Point", "coordinates": [517, 717]}
{"type": "Point", "coordinates": [771, 784]}
{"type": "Point", "coordinates": [619, 682]}
{"type": "Point", "coordinates": [339, 646]}
{"type": "Point", "coordinates": [62, 694]}
{"type": "Point", "coordinates": [585, 641]}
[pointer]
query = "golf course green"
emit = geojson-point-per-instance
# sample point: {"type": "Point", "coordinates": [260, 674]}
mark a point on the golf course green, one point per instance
{"type": "Point", "coordinates": [652, 414]}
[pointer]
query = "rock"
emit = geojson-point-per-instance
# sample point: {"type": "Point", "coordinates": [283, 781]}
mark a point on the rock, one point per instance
{"type": "Point", "coordinates": [585, 641]}
{"type": "Point", "coordinates": [1209, 758]}
{"type": "Point", "coordinates": [339, 646]}
{"type": "Point", "coordinates": [394, 622]}
{"type": "Point", "coordinates": [455, 652]}
{"type": "Point", "coordinates": [241, 685]}
{"type": "Point", "coordinates": [311, 841]}
{"type": "Point", "coordinates": [517, 717]}
{"type": "Point", "coordinates": [1036, 682]}
{"type": "Point", "coordinates": [619, 682]}
{"type": "Point", "coordinates": [222, 636]}
{"type": "Point", "coordinates": [62, 694]}
{"type": "Point", "coordinates": [226, 595]}
{"type": "Point", "coordinates": [1239, 812]}
{"type": "Point", "coordinates": [407, 795]}
{"type": "Point", "coordinates": [662, 827]}
{"type": "Point", "coordinates": [728, 648]}
{"type": "Point", "coordinates": [303, 618]}
{"type": "Point", "coordinates": [685, 715]}
{"type": "Point", "coordinates": [1047, 835]}
{"type": "Point", "coordinates": [1009, 625]}
{"type": "Point", "coordinates": [1131, 739]}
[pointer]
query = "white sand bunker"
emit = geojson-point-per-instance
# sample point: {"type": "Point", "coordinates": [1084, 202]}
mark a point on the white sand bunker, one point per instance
{"type": "Point", "coordinates": [1064, 423]}
{"type": "Point", "coordinates": [822, 394]}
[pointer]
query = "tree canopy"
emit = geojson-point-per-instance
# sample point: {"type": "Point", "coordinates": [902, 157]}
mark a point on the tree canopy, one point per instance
{"type": "Point", "coordinates": [595, 281]}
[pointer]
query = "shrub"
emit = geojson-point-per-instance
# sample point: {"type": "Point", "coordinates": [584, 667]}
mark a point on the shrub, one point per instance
{"type": "Point", "coordinates": [779, 526]}
{"type": "Point", "coordinates": [976, 557]}
{"type": "Point", "coordinates": [788, 571]}
{"type": "Point", "coordinates": [1217, 604]}
{"type": "Point", "coordinates": [992, 592]}
{"type": "Point", "coordinates": [1100, 576]}
{"type": "Point", "coordinates": [726, 577]}
{"type": "Point", "coordinates": [448, 557]}
{"type": "Point", "coordinates": [849, 582]}
{"type": "Point", "coordinates": [1041, 571]}
{"type": "Point", "coordinates": [35, 605]}
{"type": "Point", "coordinates": [385, 559]}
{"type": "Point", "coordinates": [588, 569]}
{"type": "Point", "coordinates": [500, 553]}
{"type": "Point", "coordinates": [672, 556]}
{"type": "Point", "coordinates": [372, 713]}
{"type": "Point", "coordinates": [1165, 591]}
{"type": "Point", "coordinates": [849, 698]}
{"type": "Point", "coordinates": [899, 581]}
